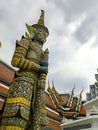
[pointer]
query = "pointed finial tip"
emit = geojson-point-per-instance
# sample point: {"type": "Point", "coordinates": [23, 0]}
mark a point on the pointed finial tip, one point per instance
{"type": "Point", "coordinates": [41, 20]}
{"type": "Point", "coordinates": [0, 44]}
{"type": "Point", "coordinates": [42, 10]}
{"type": "Point", "coordinates": [48, 83]}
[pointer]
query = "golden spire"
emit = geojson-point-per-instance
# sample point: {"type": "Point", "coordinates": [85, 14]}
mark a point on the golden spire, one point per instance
{"type": "Point", "coordinates": [48, 84]}
{"type": "Point", "coordinates": [81, 92]}
{"type": "Point", "coordinates": [41, 20]}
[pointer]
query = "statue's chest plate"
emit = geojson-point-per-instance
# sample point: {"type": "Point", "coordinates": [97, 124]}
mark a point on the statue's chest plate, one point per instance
{"type": "Point", "coordinates": [35, 53]}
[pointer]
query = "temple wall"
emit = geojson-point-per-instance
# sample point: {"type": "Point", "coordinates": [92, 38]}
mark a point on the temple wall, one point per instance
{"type": "Point", "coordinates": [6, 73]}
{"type": "Point", "coordinates": [87, 123]}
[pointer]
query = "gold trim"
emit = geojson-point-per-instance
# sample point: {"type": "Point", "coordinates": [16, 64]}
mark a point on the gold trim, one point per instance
{"type": "Point", "coordinates": [18, 100]}
{"type": "Point", "coordinates": [11, 128]}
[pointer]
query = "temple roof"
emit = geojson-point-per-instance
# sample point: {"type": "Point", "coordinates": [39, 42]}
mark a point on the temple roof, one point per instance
{"type": "Point", "coordinates": [67, 104]}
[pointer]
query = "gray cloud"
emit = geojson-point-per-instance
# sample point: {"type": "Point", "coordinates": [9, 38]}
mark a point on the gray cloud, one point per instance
{"type": "Point", "coordinates": [86, 30]}
{"type": "Point", "coordinates": [74, 9]}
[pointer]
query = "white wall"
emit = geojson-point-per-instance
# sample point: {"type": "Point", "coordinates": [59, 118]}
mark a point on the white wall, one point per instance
{"type": "Point", "coordinates": [91, 120]}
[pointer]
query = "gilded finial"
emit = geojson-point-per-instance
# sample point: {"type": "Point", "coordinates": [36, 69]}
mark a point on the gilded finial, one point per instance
{"type": "Point", "coordinates": [81, 92]}
{"type": "Point", "coordinates": [41, 20]}
{"type": "Point", "coordinates": [48, 84]}
{"type": "Point", "coordinates": [73, 88]}
{"type": "Point", "coordinates": [0, 44]}
{"type": "Point", "coordinates": [46, 51]}
{"type": "Point", "coordinates": [52, 83]}
{"type": "Point", "coordinates": [48, 89]}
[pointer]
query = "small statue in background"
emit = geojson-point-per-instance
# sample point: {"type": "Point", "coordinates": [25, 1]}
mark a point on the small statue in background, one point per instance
{"type": "Point", "coordinates": [25, 108]}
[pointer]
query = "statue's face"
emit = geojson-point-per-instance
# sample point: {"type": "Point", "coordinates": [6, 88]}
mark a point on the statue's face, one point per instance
{"type": "Point", "coordinates": [40, 35]}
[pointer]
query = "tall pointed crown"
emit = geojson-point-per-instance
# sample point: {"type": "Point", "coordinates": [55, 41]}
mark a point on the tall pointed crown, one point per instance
{"type": "Point", "coordinates": [41, 20]}
{"type": "Point", "coordinates": [40, 24]}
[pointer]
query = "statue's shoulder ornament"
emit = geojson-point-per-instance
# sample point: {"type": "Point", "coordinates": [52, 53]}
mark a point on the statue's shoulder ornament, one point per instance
{"type": "Point", "coordinates": [25, 43]}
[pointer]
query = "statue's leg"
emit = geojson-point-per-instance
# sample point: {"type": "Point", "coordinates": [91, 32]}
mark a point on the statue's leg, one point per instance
{"type": "Point", "coordinates": [39, 116]}
{"type": "Point", "coordinates": [17, 107]}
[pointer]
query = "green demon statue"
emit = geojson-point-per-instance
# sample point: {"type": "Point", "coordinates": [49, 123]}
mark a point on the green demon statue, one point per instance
{"type": "Point", "coordinates": [24, 107]}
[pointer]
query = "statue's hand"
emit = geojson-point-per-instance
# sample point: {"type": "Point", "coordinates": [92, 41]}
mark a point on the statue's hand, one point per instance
{"type": "Point", "coordinates": [43, 70]}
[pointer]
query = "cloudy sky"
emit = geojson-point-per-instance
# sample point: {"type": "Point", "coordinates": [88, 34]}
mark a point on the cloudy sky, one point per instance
{"type": "Point", "coordinates": [72, 43]}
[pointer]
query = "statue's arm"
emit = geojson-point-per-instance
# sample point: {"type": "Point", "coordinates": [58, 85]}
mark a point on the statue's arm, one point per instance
{"type": "Point", "coordinates": [44, 65]}
{"type": "Point", "coordinates": [19, 58]}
